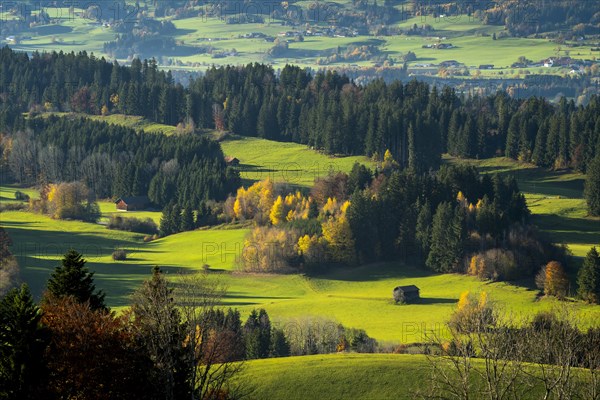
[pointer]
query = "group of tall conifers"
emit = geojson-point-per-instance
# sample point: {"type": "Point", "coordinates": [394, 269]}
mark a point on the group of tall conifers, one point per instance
{"type": "Point", "coordinates": [115, 161]}
{"type": "Point", "coordinates": [328, 111]}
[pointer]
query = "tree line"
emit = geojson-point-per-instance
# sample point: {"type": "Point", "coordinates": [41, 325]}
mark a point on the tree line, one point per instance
{"type": "Point", "coordinates": [114, 161]}
{"type": "Point", "coordinates": [326, 111]}
{"type": "Point", "coordinates": [454, 220]}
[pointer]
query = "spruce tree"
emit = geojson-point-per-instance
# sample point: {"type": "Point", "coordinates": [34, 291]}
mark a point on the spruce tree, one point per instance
{"type": "Point", "coordinates": [72, 278]}
{"type": "Point", "coordinates": [592, 187]}
{"type": "Point", "coordinates": [280, 346]}
{"type": "Point", "coordinates": [257, 334]}
{"type": "Point", "coordinates": [588, 278]}
{"type": "Point", "coordinates": [447, 234]}
{"type": "Point", "coordinates": [166, 224]}
{"type": "Point", "coordinates": [423, 230]}
{"type": "Point", "coordinates": [162, 335]}
{"type": "Point", "coordinates": [187, 220]}
{"type": "Point", "coordinates": [22, 344]}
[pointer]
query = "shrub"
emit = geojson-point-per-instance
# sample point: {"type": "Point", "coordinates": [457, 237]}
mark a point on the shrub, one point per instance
{"type": "Point", "coordinates": [13, 206]}
{"type": "Point", "coordinates": [493, 264]}
{"type": "Point", "coordinates": [21, 196]}
{"type": "Point", "coordinates": [119, 255]}
{"type": "Point", "coordinates": [146, 225]}
{"type": "Point", "coordinates": [270, 250]}
{"type": "Point", "coordinates": [473, 314]}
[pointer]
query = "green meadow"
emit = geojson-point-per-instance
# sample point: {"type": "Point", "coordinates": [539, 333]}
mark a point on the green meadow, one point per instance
{"type": "Point", "coordinates": [555, 199]}
{"type": "Point", "coordinates": [345, 376]}
{"type": "Point", "coordinates": [130, 121]}
{"type": "Point", "coordinates": [284, 162]}
{"type": "Point", "coordinates": [359, 297]}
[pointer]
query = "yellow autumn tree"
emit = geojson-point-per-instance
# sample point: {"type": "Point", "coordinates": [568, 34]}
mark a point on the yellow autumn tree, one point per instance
{"type": "Point", "coordinates": [388, 160]}
{"type": "Point", "coordinates": [339, 239]}
{"type": "Point", "coordinates": [277, 214]}
{"type": "Point", "coordinates": [473, 313]}
{"type": "Point", "coordinates": [312, 249]}
{"type": "Point", "coordinates": [331, 207]}
{"type": "Point", "coordinates": [255, 202]}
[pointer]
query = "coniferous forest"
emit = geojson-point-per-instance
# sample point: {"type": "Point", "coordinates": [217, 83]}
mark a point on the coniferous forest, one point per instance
{"type": "Point", "coordinates": [327, 111]}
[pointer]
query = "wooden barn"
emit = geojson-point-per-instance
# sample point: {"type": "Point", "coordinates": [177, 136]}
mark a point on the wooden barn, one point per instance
{"type": "Point", "coordinates": [406, 294]}
{"type": "Point", "coordinates": [234, 162]}
{"type": "Point", "coordinates": [132, 203]}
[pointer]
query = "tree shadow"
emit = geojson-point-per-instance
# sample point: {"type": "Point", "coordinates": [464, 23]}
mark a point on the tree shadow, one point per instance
{"type": "Point", "coordinates": [433, 300]}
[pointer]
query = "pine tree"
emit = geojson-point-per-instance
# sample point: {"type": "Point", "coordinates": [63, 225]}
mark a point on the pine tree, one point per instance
{"type": "Point", "coordinates": [592, 187]}
{"type": "Point", "coordinates": [423, 230]}
{"type": "Point", "coordinates": [166, 224]}
{"type": "Point", "coordinates": [588, 278]}
{"type": "Point", "coordinates": [162, 335]}
{"type": "Point", "coordinates": [22, 344]}
{"type": "Point", "coordinates": [187, 220]}
{"type": "Point", "coordinates": [257, 334]}
{"type": "Point", "coordinates": [72, 278]}
{"type": "Point", "coordinates": [280, 346]}
{"type": "Point", "coordinates": [447, 235]}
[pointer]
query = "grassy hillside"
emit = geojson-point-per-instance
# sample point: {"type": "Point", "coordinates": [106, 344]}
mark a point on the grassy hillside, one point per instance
{"type": "Point", "coordinates": [345, 376]}
{"type": "Point", "coordinates": [129, 121]}
{"type": "Point", "coordinates": [290, 163]}
{"type": "Point", "coordinates": [357, 297]}
{"type": "Point", "coordinates": [555, 199]}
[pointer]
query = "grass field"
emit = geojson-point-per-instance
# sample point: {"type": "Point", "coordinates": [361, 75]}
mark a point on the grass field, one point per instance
{"type": "Point", "coordinates": [555, 199]}
{"type": "Point", "coordinates": [472, 41]}
{"type": "Point", "coordinates": [351, 376]}
{"type": "Point", "coordinates": [290, 163]}
{"type": "Point", "coordinates": [357, 297]}
{"type": "Point", "coordinates": [129, 121]}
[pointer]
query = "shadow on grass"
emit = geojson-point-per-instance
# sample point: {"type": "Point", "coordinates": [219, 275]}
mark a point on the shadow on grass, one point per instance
{"type": "Point", "coordinates": [568, 230]}
{"type": "Point", "coordinates": [434, 300]}
{"type": "Point", "coordinates": [371, 272]}
{"type": "Point", "coordinates": [540, 180]}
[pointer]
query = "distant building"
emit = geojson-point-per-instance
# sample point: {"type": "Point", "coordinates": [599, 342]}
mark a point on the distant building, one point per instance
{"type": "Point", "coordinates": [406, 294]}
{"type": "Point", "coordinates": [450, 64]}
{"type": "Point", "coordinates": [132, 203]}
{"type": "Point", "coordinates": [234, 162]}
{"type": "Point", "coordinates": [486, 66]}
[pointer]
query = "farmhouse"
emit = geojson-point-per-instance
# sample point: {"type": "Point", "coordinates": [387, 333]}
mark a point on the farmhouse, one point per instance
{"type": "Point", "coordinates": [234, 162]}
{"type": "Point", "coordinates": [450, 64]}
{"type": "Point", "coordinates": [132, 203]}
{"type": "Point", "coordinates": [406, 294]}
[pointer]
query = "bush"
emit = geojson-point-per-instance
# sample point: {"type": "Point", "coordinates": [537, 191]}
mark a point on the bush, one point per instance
{"type": "Point", "coordinates": [146, 225]}
{"type": "Point", "coordinates": [21, 196]}
{"type": "Point", "coordinates": [13, 206]}
{"type": "Point", "coordinates": [474, 314]}
{"type": "Point", "coordinates": [149, 238]}
{"type": "Point", "coordinates": [119, 255]}
{"type": "Point", "coordinates": [494, 264]}
{"type": "Point", "coordinates": [270, 250]}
